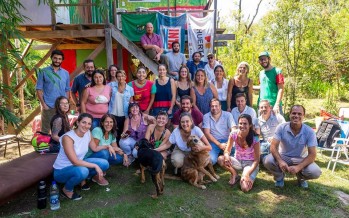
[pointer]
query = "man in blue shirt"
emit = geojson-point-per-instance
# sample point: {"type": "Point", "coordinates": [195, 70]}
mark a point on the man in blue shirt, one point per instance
{"type": "Point", "coordinates": [82, 81]}
{"type": "Point", "coordinates": [53, 82]}
{"type": "Point", "coordinates": [293, 150]}
{"type": "Point", "coordinates": [195, 64]}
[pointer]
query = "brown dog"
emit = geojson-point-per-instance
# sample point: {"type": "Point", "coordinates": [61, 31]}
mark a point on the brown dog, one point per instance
{"type": "Point", "coordinates": [193, 170]}
{"type": "Point", "coordinates": [154, 162]}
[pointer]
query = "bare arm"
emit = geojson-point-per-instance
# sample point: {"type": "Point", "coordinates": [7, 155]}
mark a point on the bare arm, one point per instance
{"type": "Point", "coordinates": [214, 91]}
{"type": "Point", "coordinates": [75, 99]}
{"type": "Point", "coordinates": [152, 97]}
{"type": "Point", "coordinates": [207, 144]}
{"type": "Point", "coordinates": [193, 96]}
{"type": "Point", "coordinates": [274, 151]}
{"type": "Point", "coordinates": [278, 98]}
{"type": "Point", "coordinates": [256, 159]}
{"type": "Point", "coordinates": [173, 91]}
{"type": "Point", "coordinates": [250, 92]}
{"type": "Point", "coordinates": [84, 100]}
{"type": "Point", "coordinates": [230, 93]}
{"type": "Point", "coordinates": [164, 142]}
{"type": "Point", "coordinates": [150, 129]}
{"type": "Point", "coordinates": [95, 147]}
{"type": "Point", "coordinates": [306, 161]}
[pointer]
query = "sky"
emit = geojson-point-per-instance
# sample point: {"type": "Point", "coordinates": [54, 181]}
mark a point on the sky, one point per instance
{"type": "Point", "coordinates": [226, 7]}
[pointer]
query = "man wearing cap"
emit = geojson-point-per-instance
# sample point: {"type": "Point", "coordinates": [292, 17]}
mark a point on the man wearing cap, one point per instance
{"type": "Point", "coordinates": [195, 64]}
{"type": "Point", "coordinates": [153, 46]}
{"type": "Point", "coordinates": [209, 68]}
{"type": "Point", "coordinates": [271, 82]}
{"type": "Point", "coordinates": [176, 60]}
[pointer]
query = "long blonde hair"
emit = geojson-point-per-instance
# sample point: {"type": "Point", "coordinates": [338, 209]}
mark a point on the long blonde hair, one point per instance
{"type": "Point", "coordinates": [205, 82]}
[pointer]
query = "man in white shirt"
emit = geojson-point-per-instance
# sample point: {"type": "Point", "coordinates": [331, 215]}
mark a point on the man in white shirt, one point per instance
{"type": "Point", "coordinates": [242, 108]}
{"type": "Point", "coordinates": [268, 121]}
{"type": "Point", "coordinates": [176, 60]}
{"type": "Point", "coordinates": [209, 67]}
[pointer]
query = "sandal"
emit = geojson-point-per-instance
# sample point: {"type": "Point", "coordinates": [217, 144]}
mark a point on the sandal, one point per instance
{"type": "Point", "coordinates": [74, 197]}
{"type": "Point", "coordinates": [102, 181]}
{"type": "Point", "coordinates": [237, 179]}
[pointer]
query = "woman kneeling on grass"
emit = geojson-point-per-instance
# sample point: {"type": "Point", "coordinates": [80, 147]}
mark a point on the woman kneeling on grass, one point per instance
{"type": "Point", "coordinates": [247, 153]}
{"type": "Point", "coordinates": [105, 142]}
{"type": "Point", "coordinates": [70, 166]}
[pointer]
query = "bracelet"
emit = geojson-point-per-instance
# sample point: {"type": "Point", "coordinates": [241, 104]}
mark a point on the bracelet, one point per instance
{"type": "Point", "coordinates": [78, 105]}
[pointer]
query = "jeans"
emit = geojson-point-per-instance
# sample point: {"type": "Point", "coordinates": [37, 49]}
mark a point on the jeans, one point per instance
{"type": "Point", "coordinates": [216, 151]}
{"type": "Point", "coordinates": [265, 149]}
{"type": "Point", "coordinates": [127, 145]}
{"type": "Point", "coordinates": [104, 154]}
{"type": "Point", "coordinates": [74, 175]}
{"type": "Point", "coordinates": [95, 123]}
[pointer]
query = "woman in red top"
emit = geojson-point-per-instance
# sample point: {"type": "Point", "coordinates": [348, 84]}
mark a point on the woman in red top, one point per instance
{"type": "Point", "coordinates": [144, 90]}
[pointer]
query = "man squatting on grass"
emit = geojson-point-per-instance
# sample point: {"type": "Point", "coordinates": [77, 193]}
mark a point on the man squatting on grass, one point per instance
{"type": "Point", "coordinates": [293, 150]}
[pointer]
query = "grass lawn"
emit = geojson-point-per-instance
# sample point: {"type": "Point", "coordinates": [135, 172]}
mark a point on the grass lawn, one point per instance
{"type": "Point", "coordinates": [129, 198]}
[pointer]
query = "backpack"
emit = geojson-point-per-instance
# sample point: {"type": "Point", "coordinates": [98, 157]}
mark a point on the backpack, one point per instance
{"type": "Point", "coordinates": [40, 142]}
{"type": "Point", "coordinates": [326, 133]}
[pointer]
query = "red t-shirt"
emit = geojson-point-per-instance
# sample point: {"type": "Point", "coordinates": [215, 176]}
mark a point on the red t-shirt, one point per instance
{"type": "Point", "coordinates": [196, 115]}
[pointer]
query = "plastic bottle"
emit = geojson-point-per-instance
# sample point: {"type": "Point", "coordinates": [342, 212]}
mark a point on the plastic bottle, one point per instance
{"type": "Point", "coordinates": [42, 196]}
{"type": "Point", "coordinates": [54, 197]}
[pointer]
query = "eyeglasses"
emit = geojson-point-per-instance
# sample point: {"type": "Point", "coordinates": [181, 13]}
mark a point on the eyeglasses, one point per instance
{"type": "Point", "coordinates": [209, 57]}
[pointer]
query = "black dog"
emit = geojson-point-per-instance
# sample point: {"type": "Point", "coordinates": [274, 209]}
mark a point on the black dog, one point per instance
{"type": "Point", "coordinates": [154, 162]}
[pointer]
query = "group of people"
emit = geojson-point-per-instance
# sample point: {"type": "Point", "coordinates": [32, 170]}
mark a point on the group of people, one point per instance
{"type": "Point", "coordinates": [189, 99]}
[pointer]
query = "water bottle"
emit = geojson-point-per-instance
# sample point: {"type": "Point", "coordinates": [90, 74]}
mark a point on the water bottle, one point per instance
{"type": "Point", "coordinates": [54, 197]}
{"type": "Point", "coordinates": [42, 197]}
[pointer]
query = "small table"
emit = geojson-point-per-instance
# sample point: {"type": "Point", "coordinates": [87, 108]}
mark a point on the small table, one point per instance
{"type": "Point", "coordinates": [36, 125]}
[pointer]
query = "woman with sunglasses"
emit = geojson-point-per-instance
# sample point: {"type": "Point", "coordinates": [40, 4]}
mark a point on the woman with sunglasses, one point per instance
{"type": "Point", "coordinates": [105, 143]}
{"type": "Point", "coordinates": [121, 96]}
{"type": "Point", "coordinates": [95, 98]}
{"type": "Point", "coordinates": [59, 122]}
{"type": "Point", "coordinates": [240, 83]}
{"type": "Point", "coordinates": [247, 151]}
{"type": "Point", "coordinates": [221, 84]}
{"type": "Point", "coordinates": [165, 96]}
{"type": "Point", "coordinates": [111, 73]}
{"type": "Point", "coordinates": [183, 85]}
{"type": "Point", "coordinates": [134, 129]}
{"type": "Point", "coordinates": [144, 90]}
{"type": "Point", "coordinates": [202, 92]}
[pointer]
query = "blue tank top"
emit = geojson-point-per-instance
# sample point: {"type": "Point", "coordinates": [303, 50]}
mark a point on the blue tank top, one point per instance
{"type": "Point", "coordinates": [203, 101]}
{"type": "Point", "coordinates": [163, 94]}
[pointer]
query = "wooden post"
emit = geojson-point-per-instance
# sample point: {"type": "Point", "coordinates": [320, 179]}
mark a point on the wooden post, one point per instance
{"type": "Point", "coordinates": [119, 56]}
{"type": "Point", "coordinates": [18, 79]}
{"type": "Point", "coordinates": [7, 82]}
{"type": "Point", "coordinates": [214, 25]}
{"type": "Point", "coordinates": [109, 46]}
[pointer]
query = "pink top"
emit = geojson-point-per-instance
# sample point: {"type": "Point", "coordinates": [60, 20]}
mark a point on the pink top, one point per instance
{"type": "Point", "coordinates": [243, 153]}
{"type": "Point", "coordinates": [97, 103]}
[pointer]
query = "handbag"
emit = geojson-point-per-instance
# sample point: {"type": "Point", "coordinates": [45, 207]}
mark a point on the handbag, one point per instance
{"type": "Point", "coordinates": [41, 142]}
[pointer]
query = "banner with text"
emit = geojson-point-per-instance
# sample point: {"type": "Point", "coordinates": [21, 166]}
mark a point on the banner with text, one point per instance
{"type": "Point", "coordinates": [172, 29]}
{"type": "Point", "coordinates": [200, 34]}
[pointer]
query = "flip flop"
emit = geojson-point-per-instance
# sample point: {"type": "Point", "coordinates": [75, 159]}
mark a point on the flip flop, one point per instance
{"type": "Point", "coordinates": [237, 179]}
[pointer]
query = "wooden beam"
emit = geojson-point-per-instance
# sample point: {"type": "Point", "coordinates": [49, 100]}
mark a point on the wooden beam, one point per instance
{"type": "Point", "coordinates": [225, 37]}
{"type": "Point", "coordinates": [70, 46]}
{"type": "Point", "coordinates": [109, 47]}
{"type": "Point", "coordinates": [92, 56]}
{"type": "Point", "coordinates": [133, 49]}
{"type": "Point", "coordinates": [32, 71]}
{"type": "Point", "coordinates": [28, 119]}
{"type": "Point", "coordinates": [63, 34]}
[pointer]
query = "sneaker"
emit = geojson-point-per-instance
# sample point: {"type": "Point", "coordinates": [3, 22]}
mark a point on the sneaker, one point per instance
{"type": "Point", "coordinates": [75, 196]}
{"type": "Point", "coordinates": [85, 187]}
{"type": "Point", "coordinates": [100, 181]}
{"type": "Point", "coordinates": [303, 183]}
{"type": "Point", "coordinates": [279, 183]}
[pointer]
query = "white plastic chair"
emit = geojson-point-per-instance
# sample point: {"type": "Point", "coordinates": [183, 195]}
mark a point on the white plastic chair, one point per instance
{"type": "Point", "coordinates": [339, 146]}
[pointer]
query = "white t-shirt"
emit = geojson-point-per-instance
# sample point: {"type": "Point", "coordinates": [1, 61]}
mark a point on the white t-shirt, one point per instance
{"type": "Point", "coordinates": [222, 92]}
{"type": "Point", "coordinates": [176, 138]}
{"type": "Point", "coordinates": [81, 145]}
{"type": "Point", "coordinates": [210, 71]}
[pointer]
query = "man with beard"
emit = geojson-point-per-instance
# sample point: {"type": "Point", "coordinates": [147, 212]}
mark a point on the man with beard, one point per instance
{"type": "Point", "coordinates": [82, 81]}
{"type": "Point", "coordinates": [195, 64]}
{"type": "Point", "coordinates": [187, 106]}
{"type": "Point", "coordinates": [53, 82]}
{"type": "Point", "coordinates": [271, 82]}
{"type": "Point", "coordinates": [176, 60]}
{"type": "Point", "coordinates": [216, 126]}
{"type": "Point", "coordinates": [293, 150]}
{"type": "Point", "coordinates": [153, 45]}
{"type": "Point", "coordinates": [268, 121]}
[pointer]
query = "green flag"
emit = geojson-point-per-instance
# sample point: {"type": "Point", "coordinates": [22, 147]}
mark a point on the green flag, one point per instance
{"type": "Point", "coordinates": [133, 25]}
